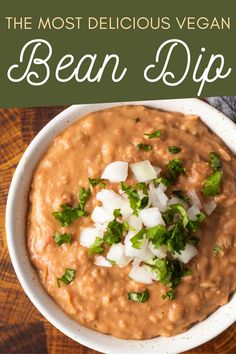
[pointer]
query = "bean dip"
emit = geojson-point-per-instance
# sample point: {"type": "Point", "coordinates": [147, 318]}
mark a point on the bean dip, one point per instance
{"type": "Point", "coordinates": [104, 298]}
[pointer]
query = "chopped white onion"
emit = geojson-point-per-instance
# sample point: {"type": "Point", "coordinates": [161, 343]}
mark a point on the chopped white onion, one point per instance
{"type": "Point", "coordinates": [151, 217]}
{"type": "Point", "coordinates": [194, 198]}
{"type": "Point", "coordinates": [143, 253]}
{"type": "Point", "coordinates": [143, 171]}
{"type": "Point", "coordinates": [88, 236]}
{"type": "Point", "coordinates": [116, 171]}
{"type": "Point", "coordinates": [210, 207]}
{"type": "Point", "coordinates": [112, 200]}
{"type": "Point", "coordinates": [160, 252]}
{"type": "Point", "coordinates": [188, 253]}
{"type": "Point", "coordinates": [157, 197]}
{"type": "Point", "coordinates": [141, 275]}
{"type": "Point", "coordinates": [100, 216]}
{"type": "Point", "coordinates": [135, 223]}
{"type": "Point", "coordinates": [192, 212]}
{"type": "Point", "coordinates": [102, 262]}
{"type": "Point", "coordinates": [117, 255]}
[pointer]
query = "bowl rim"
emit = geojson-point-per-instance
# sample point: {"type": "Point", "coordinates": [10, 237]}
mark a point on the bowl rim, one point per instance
{"type": "Point", "coordinates": [73, 111]}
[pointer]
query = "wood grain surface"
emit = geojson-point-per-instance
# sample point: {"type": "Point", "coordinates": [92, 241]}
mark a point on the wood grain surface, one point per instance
{"type": "Point", "coordinates": [23, 329]}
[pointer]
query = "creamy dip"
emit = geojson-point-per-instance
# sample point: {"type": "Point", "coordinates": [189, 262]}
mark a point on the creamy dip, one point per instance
{"type": "Point", "coordinates": [97, 296]}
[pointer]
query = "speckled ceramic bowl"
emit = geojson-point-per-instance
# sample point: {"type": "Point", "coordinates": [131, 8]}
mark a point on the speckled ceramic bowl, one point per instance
{"type": "Point", "coordinates": [15, 225]}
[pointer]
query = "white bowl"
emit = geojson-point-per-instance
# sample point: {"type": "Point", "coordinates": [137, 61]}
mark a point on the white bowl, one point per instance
{"type": "Point", "coordinates": [15, 227]}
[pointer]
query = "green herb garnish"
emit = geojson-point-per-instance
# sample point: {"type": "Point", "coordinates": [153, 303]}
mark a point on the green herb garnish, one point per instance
{"type": "Point", "coordinates": [174, 149]}
{"type": "Point", "coordinates": [117, 213]}
{"type": "Point", "coordinates": [193, 225]}
{"type": "Point", "coordinates": [162, 180]}
{"type": "Point", "coordinates": [158, 235]}
{"type": "Point", "coordinates": [211, 185]}
{"type": "Point", "coordinates": [114, 232]}
{"type": "Point", "coordinates": [134, 200]}
{"type": "Point", "coordinates": [67, 277]}
{"type": "Point", "coordinates": [168, 272]}
{"type": "Point", "coordinates": [178, 208]}
{"type": "Point", "coordinates": [69, 213]}
{"type": "Point", "coordinates": [83, 197]}
{"type": "Point", "coordinates": [174, 169]}
{"type": "Point", "coordinates": [62, 238]}
{"type": "Point", "coordinates": [137, 239]}
{"type": "Point", "coordinates": [97, 182]}
{"type": "Point", "coordinates": [156, 134]}
{"type": "Point", "coordinates": [145, 147]}
{"type": "Point", "coordinates": [170, 294]}
{"type": "Point", "coordinates": [96, 247]}
{"type": "Point", "coordinates": [217, 250]}
{"type": "Point", "coordinates": [139, 297]}
{"type": "Point", "coordinates": [215, 161]}
{"type": "Point", "coordinates": [143, 187]}
{"type": "Point", "coordinates": [181, 195]}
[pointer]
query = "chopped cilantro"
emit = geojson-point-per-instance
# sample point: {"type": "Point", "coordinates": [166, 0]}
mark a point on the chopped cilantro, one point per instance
{"type": "Point", "coordinates": [134, 200]}
{"type": "Point", "coordinates": [67, 277]}
{"type": "Point", "coordinates": [215, 161]}
{"type": "Point", "coordinates": [211, 185]}
{"type": "Point", "coordinates": [69, 213]}
{"type": "Point", "coordinates": [117, 213]}
{"type": "Point", "coordinates": [143, 187]}
{"type": "Point", "coordinates": [114, 232]}
{"type": "Point", "coordinates": [174, 149]}
{"type": "Point", "coordinates": [139, 297]}
{"type": "Point", "coordinates": [62, 238]}
{"type": "Point", "coordinates": [178, 208]}
{"type": "Point", "coordinates": [193, 225]}
{"type": "Point", "coordinates": [83, 197]}
{"type": "Point", "coordinates": [156, 134]}
{"type": "Point", "coordinates": [174, 169]}
{"type": "Point", "coordinates": [168, 272]}
{"type": "Point", "coordinates": [170, 293]}
{"type": "Point", "coordinates": [217, 250]}
{"type": "Point", "coordinates": [137, 239]}
{"type": "Point", "coordinates": [96, 246]}
{"type": "Point", "coordinates": [97, 182]}
{"type": "Point", "coordinates": [181, 195]}
{"type": "Point", "coordinates": [158, 235]}
{"type": "Point", "coordinates": [145, 147]}
{"type": "Point", "coordinates": [162, 180]}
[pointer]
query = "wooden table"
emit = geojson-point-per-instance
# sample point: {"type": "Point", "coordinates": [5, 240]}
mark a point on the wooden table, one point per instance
{"type": "Point", "coordinates": [23, 329]}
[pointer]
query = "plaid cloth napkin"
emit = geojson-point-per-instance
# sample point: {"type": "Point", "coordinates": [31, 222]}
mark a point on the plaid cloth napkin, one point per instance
{"type": "Point", "coordinates": [225, 104]}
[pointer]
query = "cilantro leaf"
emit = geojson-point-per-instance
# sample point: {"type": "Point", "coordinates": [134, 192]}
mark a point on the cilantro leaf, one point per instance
{"type": "Point", "coordinates": [162, 180]}
{"type": "Point", "coordinates": [134, 200]}
{"type": "Point", "coordinates": [62, 238]}
{"type": "Point", "coordinates": [145, 147]}
{"type": "Point", "coordinates": [193, 225]}
{"type": "Point", "coordinates": [174, 149]}
{"type": "Point", "coordinates": [174, 169]}
{"type": "Point", "coordinates": [67, 277]}
{"type": "Point", "coordinates": [170, 293]}
{"type": "Point", "coordinates": [211, 185]}
{"type": "Point", "coordinates": [181, 195]}
{"type": "Point", "coordinates": [114, 232]}
{"type": "Point", "coordinates": [137, 239]}
{"type": "Point", "coordinates": [158, 235]}
{"type": "Point", "coordinates": [96, 246]}
{"type": "Point", "coordinates": [139, 297]}
{"type": "Point", "coordinates": [215, 161]}
{"type": "Point", "coordinates": [217, 250]}
{"type": "Point", "coordinates": [156, 134]}
{"type": "Point", "coordinates": [117, 213]}
{"type": "Point", "coordinates": [178, 208]}
{"type": "Point", "coordinates": [83, 197]}
{"type": "Point", "coordinates": [143, 187]}
{"type": "Point", "coordinates": [68, 214]}
{"type": "Point", "coordinates": [97, 182]}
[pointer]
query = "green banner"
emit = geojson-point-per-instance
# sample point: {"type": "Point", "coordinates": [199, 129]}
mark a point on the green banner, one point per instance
{"type": "Point", "coordinates": [65, 52]}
